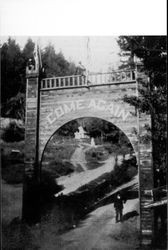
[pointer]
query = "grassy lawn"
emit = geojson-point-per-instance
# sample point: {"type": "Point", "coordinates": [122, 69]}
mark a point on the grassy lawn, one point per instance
{"type": "Point", "coordinates": [12, 170]}
{"type": "Point", "coordinates": [11, 198]}
{"type": "Point", "coordinates": [11, 201]}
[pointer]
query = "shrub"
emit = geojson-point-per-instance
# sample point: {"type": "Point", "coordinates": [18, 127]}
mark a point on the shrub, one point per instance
{"type": "Point", "coordinates": [13, 133]}
{"type": "Point", "coordinates": [48, 185]}
{"type": "Point", "coordinates": [125, 172]}
{"type": "Point", "coordinates": [59, 168]}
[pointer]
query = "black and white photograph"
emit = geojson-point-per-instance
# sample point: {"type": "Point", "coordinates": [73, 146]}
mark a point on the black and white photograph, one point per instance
{"type": "Point", "coordinates": [83, 130]}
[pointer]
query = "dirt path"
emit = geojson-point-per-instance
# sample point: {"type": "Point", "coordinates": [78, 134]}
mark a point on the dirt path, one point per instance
{"type": "Point", "coordinates": [100, 232]}
{"type": "Point", "coordinates": [78, 179]}
{"type": "Point", "coordinates": [78, 158]}
{"type": "Point", "coordinates": [72, 182]}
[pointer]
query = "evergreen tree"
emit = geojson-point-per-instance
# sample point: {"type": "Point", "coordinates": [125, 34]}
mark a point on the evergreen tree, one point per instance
{"type": "Point", "coordinates": [152, 51]}
{"type": "Point", "coordinates": [13, 77]}
{"type": "Point", "coordinates": [28, 49]}
{"type": "Point", "coordinates": [55, 64]}
{"type": "Point", "coordinates": [12, 74]}
{"type": "Point", "coordinates": [13, 62]}
{"type": "Point", "coordinates": [15, 107]}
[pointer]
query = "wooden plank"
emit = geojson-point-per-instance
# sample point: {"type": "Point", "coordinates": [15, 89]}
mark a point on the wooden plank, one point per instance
{"type": "Point", "coordinates": [156, 204]}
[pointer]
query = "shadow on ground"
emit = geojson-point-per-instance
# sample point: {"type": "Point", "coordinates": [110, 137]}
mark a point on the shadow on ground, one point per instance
{"type": "Point", "coordinates": [130, 215]}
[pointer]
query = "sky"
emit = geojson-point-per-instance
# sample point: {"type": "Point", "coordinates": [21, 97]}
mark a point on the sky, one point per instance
{"type": "Point", "coordinates": [67, 24]}
{"type": "Point", "coordinates": [96, 53]}
{"type": "Point", "coordinates": [87, 17]}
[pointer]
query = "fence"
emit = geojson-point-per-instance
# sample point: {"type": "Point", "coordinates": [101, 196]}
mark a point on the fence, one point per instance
{"type": "Point", "coordinates": [93, 79]}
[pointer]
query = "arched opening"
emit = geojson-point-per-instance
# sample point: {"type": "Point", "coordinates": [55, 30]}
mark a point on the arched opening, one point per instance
{"type": "Point", "coordinates": [83, 165]}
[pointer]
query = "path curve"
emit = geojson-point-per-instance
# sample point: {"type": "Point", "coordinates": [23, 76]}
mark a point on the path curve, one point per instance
{"type": "Point", "coordinates": [78, 158]}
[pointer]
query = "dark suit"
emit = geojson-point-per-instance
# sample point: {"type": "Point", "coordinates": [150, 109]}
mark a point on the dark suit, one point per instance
{"type": "Point", "coordinates": [118, 205]}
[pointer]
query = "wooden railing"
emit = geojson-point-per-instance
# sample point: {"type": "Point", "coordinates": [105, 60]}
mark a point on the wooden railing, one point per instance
{"type": "Point", "coordinates": [111, 77]}
{"type": "Point", "coordinates": [63, 82]}
{"type": "Point", "coordinates": [156, 197]}
{"type": "Point", "coordinates": [88, 80]}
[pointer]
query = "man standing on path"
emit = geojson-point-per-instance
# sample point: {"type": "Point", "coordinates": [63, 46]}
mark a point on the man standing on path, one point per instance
{"type": "Point", "coordinates": [118, 205]}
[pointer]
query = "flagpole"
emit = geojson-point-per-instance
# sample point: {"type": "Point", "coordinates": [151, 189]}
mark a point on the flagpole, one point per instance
{"type": "Point", "coordinates": [87, 60]}
{"type": "Point", "coordinates": [38, 68]}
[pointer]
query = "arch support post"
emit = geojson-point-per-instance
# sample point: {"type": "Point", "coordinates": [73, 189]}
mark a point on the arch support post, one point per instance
{"type": "Point", "coordinates": [145, 165]}
{"type": "Point", "coordinates": [146, 185]}
{"type": "Point", "coordinates": [32, 176]}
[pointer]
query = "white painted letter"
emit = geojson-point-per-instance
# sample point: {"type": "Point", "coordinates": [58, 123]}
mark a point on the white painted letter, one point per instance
{"type": "Point", "coordinates": [79, 104]}
{"type": "Point", "coordinates": [69, 107]}
{"type": "Point", "coordinates": [124, 114]}
{"type": "Point", "coordinates": [49, 119]}
{"type": "Point", "coordinates": [99, 105]}
{"type": "Point", "coordinates": [92, 104]}
{"type": "Point", "coordinates": [116, 111]}
{"type": "Point", "coordinates": [110, 108]}
{"type": "Point", "coordinates": [59, 112]}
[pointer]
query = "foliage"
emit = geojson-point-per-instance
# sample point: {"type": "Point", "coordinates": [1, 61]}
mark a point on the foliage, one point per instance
{"type": "Point", "coordinates": [13, 76]}
{"type": "Point", "coordinates": [48, 185]}
{"type": "Point", "coordinates": [13, 133]}
{"type": "Point", "coordinates": [28, 50]}
{"type": "Point", "coordinates": [59, 168]}
{"type": "Point", "coordinates": [153, 96]}
{"type": "Point", "coordinates": [15, 107]}
{"type": "Point", "coordinates": [125, 172]}
{"type": "Point", "coordinates": [68, 129]}
{"type": "Point", "coordinates": [99, 129]}
{"type": "Point", "coordinates": [56, 64]}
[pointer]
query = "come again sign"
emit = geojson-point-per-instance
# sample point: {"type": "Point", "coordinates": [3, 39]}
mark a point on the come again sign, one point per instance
{"type": "Point", "coordinates": [91, 104]}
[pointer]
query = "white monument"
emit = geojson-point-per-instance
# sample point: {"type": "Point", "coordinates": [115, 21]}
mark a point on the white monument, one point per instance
{"type": "Point", "coordinates": [93, 142]}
